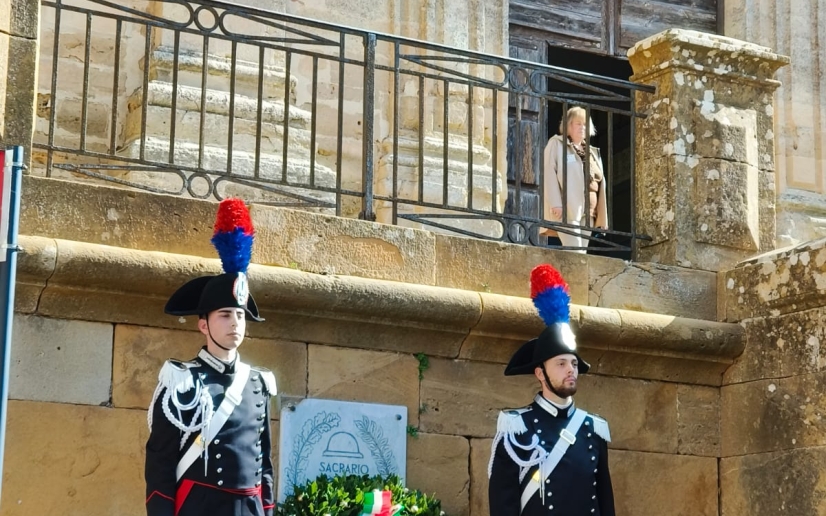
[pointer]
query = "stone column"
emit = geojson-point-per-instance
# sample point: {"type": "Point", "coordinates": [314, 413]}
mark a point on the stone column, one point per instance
{"type": "Point", "coordinates": [19, 24]}
{"type": "Point", "coordinates": [794, 28]}
{"type": "Point", "coordinates": [705, 183]}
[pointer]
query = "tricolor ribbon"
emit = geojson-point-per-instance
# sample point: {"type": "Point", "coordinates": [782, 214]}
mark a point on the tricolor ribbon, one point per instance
{"type": "Point", "coordinates": [379, 503]}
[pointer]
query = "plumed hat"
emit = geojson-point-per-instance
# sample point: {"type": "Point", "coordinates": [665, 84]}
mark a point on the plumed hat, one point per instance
{"type": "Point", "coordinates": [552, 300]}
{"type": "Point", "coordinates": [232, 239]}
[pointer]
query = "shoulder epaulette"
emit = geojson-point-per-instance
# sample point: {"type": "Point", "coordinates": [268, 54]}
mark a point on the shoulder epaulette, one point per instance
{"type": "Point", "coordinates": [268, 379]}
{"type": "Point", "coordinates": [601, 428]}
{"type": "Point", "coordinates": [510, 421]}
{"type": "Point", "coordinates": [176, 375]}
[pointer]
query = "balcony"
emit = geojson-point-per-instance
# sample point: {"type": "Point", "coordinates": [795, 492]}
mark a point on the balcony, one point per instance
{"type": "Point", "coordinates": [210, 99]}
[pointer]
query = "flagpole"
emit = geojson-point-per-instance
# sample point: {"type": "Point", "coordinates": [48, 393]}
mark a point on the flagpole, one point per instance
{"type": "Point", "coordinates": [8, 273]}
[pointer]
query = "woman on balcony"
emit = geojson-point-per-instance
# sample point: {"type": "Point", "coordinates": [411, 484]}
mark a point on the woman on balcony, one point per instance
{"type": "Point", "coordinates": [575, 203]}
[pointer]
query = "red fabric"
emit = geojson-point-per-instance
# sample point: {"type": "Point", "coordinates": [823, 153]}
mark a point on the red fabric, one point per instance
{"type": "Point", "coordinates": [187, 485]}
{"type": "Point", "coordinates": [159, 494]}
{"type": "Point", "coordinates": [183, 492]}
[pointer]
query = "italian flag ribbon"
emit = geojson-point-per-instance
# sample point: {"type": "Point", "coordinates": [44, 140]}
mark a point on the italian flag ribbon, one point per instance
{"type": "Point", "coordinates": [379, 503]}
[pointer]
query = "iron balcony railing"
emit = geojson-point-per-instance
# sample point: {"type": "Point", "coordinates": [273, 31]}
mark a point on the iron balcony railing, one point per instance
{"type": "Point", "coordinates": [211, 99]}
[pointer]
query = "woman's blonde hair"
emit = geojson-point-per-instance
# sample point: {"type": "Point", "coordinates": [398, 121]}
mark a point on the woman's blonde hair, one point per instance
{"type": "Point", "coordinates": [577, 113]}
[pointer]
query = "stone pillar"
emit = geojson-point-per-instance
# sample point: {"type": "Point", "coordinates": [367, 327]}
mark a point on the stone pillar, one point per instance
{"type": "Point", "coordinates": [19, 24]}
{"type": "Point", "coordinates": [705, 183]}
{"type": "Point", "coordinates": [794, 28]}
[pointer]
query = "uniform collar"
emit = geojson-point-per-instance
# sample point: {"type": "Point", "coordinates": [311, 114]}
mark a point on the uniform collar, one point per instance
{"type": "Point", "coordinates": [551, 408]}
{"type": "Point", "coordinates": [216, 363]}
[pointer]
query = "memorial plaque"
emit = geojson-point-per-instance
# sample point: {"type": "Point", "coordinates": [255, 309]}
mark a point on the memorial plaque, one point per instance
{"type": "Point", "coordinates": [339, 438]}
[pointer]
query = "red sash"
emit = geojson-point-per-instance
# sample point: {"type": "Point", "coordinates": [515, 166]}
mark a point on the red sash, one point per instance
{"type": "Point", "coordinates": [187, 485]}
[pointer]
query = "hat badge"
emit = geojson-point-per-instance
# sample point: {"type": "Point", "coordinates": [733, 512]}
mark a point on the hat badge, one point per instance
{"type": "Point", "coordinates": [241, 289]}
{"type": "Point", "coordinates": [568, 337]}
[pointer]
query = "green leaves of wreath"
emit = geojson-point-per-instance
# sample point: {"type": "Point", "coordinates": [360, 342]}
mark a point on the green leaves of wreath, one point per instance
{"type": "Point", "coordinates": [373, 436]}
{"type": "Point", "coordinates": [311, 433]}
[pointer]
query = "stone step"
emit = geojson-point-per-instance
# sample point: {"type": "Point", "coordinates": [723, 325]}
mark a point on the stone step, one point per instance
{"type": "Point", "coordinates": [217, 102]}
{"type": "Point", "coordinates": [434, 144]}
{"type": "Point", "coordinates": [243, 169]}
{"type": "Point", "coordinates": [216, 123]}
{"type": "Point", "coordinates": [219, 69]}
{"type": "Point", "coordinates": [216, 132]}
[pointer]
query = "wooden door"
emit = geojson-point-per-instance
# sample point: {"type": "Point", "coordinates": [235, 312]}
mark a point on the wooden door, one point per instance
{"type": "Point", "coordinates": [605, 26]}
{"type": "Point", "coordinates": [526, 137]}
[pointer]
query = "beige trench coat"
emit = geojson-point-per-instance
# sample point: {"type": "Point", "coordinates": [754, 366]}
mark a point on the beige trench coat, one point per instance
{"type": "Point", "coordinates": [552, 184]}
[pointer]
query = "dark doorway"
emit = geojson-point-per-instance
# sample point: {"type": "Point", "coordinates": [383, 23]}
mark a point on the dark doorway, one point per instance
{"type": "Point", "coordinates": [529, 130]}
{"type": "Point", "coordinates": [614, 143]}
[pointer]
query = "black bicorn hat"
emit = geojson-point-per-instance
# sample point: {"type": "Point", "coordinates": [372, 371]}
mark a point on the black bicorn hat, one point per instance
{"type": "Point", "coordinates": [551, 297]}
{"type": "Point", "coordinates": [232, 239]}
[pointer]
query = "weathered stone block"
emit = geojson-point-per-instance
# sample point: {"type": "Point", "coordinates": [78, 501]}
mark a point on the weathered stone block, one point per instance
{"type": "Point", "coordinates": [656, 367]}
{"type": "Point", "coordinates": [726, 204]}
{"type": "Point", "coordinates": [727, 134]}
{"type": "Point", "coordinates": [69, 117]}
{"type": "Point", "coordinates": [19, 18]}
{"type": "Point", "coordinates": [698, 420]}
{"type": "Point", "coordinates": [363, 313]}
{"type": "Point", "coordinates": [656, 201]}
{"type": "Point", "coordinates": [779, 347]}
{"type": "Point", "coordinates": [464, 398]}
{"type": "Point", "coordinates": [479, 459]}
{"type": "Point", "coordinates": [19, 112]}
{"type": "Point", "coordinates": [501, 268]}
{"type": "Point", "coordinates": [111, 216]}
{"type": "Point", "coordinates": [364, 376]}
{"type": "Point", "coordinates": [679, 204]}
{"type": "Point", "coordinates": [142, 284]}
{"type": "Point", "coordinates": [768, 215]}
{"type": "Point", "coordinates": [773, 415]}
{"type": "Point", "coordinates": [647, 287]}
{"type": "Point", "coordinates": [140, 352]}
{"type": "Point", "coordinates": [784, 282]}
{"type": "Point", "coordinates": [61, 361]}
{"type": "Point", "coordinates": [438, 465]}
{"type": "Point", "coordinates": [334, 245]}
{"type": "Point", "coordinates": [35, 265]}
{"type": "Point", "coordinates": [768, 484]}
{"type": "Point", "coordinates": [701, 196]}
{"type": "Point", "coordinates": [652, 430]}
{"type": "Point", "coordinates": [82, 453]}
{"type": "Point", "coordinates": [652, 484]}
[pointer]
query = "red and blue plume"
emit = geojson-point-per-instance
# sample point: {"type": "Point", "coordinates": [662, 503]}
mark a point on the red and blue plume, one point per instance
{"type": "Point", "coordinates": [233, 235]}
{"type": "Point", "coordinates": [550, 295]}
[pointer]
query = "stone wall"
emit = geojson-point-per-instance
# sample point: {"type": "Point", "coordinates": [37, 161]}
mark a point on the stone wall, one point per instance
{"type": "Point", "coordinates": [18, 71]}
{"type": "Point", "coordinates": [793, 28]}
{"type": "Point", "coordinates": [772, 427]}
{"type": "Point", "coordinates": [90, 337]}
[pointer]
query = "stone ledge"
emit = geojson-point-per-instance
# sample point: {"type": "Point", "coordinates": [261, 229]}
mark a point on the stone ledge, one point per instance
{"type": "Point", "coordinates": [781, 282]}
{"type": "Point", "coordinates": [74, 280]}
{"type": "Point", "coordinates": [706, 53]}
{"type": "Point", "coordinates": [324, 244]}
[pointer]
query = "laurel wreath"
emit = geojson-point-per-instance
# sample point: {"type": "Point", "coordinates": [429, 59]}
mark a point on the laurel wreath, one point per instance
{"type": "Point", "coordinates": [311, 433]}
{"type": "Point", "coordinates": [372, 434]}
